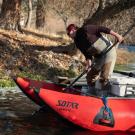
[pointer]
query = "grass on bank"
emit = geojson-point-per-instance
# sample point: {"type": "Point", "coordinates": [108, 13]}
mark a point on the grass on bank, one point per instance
{"type": "Point", "coordinates": [123, 59]}
{"type": "Point", "coordinates": [7, 81]}
{"type": "Point", "coordinates": [124, 67]}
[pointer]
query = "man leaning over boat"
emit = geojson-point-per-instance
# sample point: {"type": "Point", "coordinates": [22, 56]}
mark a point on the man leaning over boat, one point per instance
{"type": "Point", "coordinates": [90, 41]}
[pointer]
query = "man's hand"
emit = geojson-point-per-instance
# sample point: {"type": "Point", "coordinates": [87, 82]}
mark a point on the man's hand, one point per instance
{"type": "Point", "coordinates": [118, 37]}
{"type": "Point", "coordinates": [88, 65]}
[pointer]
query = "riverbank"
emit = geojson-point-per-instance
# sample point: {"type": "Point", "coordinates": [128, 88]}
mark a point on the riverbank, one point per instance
{"type": "Point", "coordinates": [41, 56]}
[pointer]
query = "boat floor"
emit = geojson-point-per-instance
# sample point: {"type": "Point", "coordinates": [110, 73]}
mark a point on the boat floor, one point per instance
{"type": "Point", "coordinates": [78, 87]}
{"type": "Point", "coordinates": [84, 91]}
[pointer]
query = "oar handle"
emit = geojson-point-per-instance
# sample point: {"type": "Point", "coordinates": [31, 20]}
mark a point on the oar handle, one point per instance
{"type": "Point", "coordinates": [129, 30]}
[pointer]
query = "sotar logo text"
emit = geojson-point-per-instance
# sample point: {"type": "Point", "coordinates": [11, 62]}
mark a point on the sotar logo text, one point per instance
{"type": "Point", "coordinates": [68, 104]}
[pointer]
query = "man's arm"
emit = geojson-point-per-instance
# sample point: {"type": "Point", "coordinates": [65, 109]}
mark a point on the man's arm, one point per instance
{"type": "Point", "coordinates": [109, 31]}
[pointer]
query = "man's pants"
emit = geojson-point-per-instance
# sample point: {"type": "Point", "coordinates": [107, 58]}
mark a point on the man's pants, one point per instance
{"type": "Point", "coordinates": [103, 68]}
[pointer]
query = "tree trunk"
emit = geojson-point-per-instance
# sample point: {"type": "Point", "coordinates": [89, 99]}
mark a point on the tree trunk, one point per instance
{"type": "Point", "coordinates": [107, 10]}
{"type": "Point", "coordinates": [10, 14]}
{"type": "Point", "coordinates": [40, 15]}
{"type": "Point", "coordinates": [29, 19]}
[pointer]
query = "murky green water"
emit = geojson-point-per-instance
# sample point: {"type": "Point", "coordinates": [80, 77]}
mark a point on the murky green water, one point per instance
{"type": "Point", "coordinates": [17, 117]}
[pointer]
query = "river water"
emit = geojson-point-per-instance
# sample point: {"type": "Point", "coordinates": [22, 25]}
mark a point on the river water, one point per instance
{"type": "Point", "coordinates": [130, 48]}
{"type": "Point", "coordinates": [20, 116]}
{"type": "Point", "coordinates": [129, 66]}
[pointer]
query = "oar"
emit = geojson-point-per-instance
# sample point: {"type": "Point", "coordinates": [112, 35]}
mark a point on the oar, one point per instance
{"type": "Point", "coordinates": [102, 54]}
{"type": "Point", "coordinates": [130, 74]}
{"type": "Point", "coordinates": [76, 79]}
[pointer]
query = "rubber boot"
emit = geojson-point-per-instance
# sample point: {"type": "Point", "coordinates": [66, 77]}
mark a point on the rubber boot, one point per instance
{"type": "Point", "coordinates": [106, 89]}
{"type": "Point", "coordinates": [84, 90]}
{"type": "Point", "coordinates": [91, 90]}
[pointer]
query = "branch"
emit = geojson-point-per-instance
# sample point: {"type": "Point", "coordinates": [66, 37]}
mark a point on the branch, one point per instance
{"type": "Point", "coordinates": [109, 11]}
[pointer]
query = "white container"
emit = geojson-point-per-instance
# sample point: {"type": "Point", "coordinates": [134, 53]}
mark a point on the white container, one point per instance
{"type": "Point", "coordinates": [121, 86]}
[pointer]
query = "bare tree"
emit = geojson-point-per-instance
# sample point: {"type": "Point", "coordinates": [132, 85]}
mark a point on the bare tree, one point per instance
{"type": "Point", "coordinates": [29, 19]}
{"type": "Point", "coordinates": [62, 8]}
{"type": "Point", "coordinates": [40, 14]}
{"type": "Point", "coordinates": [10, 14]}
{"type": "Point", "coordinates": [107, 9]}
{"type": "Point", "coordinates": [65, 9]}
{"type": "Point", "coordinates": [80, 9]}
{"type": "Point", "coordinates": [85, 9]}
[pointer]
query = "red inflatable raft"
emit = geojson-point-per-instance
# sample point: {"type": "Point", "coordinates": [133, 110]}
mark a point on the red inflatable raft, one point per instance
{"type": "Point", "coordinates": [85, 111]}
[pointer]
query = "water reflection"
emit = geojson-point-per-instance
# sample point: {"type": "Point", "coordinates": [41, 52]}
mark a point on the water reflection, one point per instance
{"type": "Point", "coordinates": [17, 118]}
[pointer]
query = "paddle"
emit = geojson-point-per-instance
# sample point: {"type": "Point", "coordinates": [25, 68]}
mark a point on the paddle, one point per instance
{"type": "Point", "coordinates": [71, 84]}
{"type": "Point", "coordinates": [101, 55]}
{"type": "Point", "coordinates": [130, 74]}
